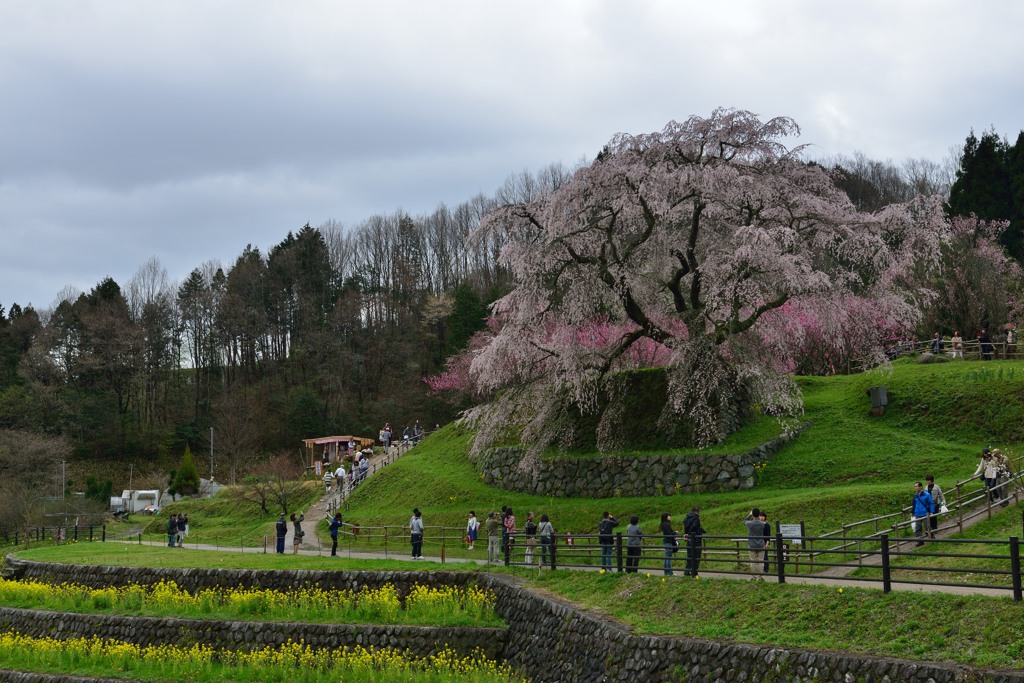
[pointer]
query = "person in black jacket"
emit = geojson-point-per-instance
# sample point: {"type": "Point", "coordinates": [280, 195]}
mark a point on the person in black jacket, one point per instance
{"type": "Point", "coordinates": [605, 538]}
{"type": "Point", "coordinates": [668, 541]}
{"type": "Point", "coordinates": [282, 531]}
{"type": "Point", "coordinates": [694, 533]}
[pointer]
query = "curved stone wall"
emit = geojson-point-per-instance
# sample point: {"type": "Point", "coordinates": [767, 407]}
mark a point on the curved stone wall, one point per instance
{"type": "Point", "coordinates": [547, 639]}
{"type": "Point", "coordinates": [635, 475]}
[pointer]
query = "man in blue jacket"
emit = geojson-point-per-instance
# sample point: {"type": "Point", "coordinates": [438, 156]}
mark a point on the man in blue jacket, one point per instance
{"type": "Point", "coordinates": [922, 508]}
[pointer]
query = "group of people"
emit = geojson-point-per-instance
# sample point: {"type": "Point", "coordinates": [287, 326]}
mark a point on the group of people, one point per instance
{"type": "Point", "coordinates": [929, 501]}
{"type": "Point", "coordinates": [177, 530]}
{"type": "Point", "coordinates": [937, 344]}
{"type": "Point", "coordinates": [282, 531]}
{"type": "Point", "coordinates": [996, 469]}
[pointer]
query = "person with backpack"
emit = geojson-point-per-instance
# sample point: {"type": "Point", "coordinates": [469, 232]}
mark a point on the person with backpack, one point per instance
{"type": "Point", "coordinates": [546, 533]}
{"type": "Point", "coordinates": [282, 530]}
{"type": "Point", "coordinates": [605, 538]}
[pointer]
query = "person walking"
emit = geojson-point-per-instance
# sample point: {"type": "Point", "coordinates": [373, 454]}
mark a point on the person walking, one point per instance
{"type": "Point", "coordinates": [922, 507]}
{"type": "Point", "coordinates": [669, 541]}
{"type": "Point", "coordinates": [181, 531]}
{"type": "Point", "coordinates": [938, 502]}
{"type": "Point", "coordinates": [605, 538]}
{"type": "Point", "coordinates": [297, 531]}
{"type": "Point", "coordinates": [989, 469]}
{"type": "Point", "coordinates": [546, 533]}
{"type": "Point", "coordinates": [494, 533]}
{"type": "Point", "coordinates": [416, 534]}
{"type": "Point", "coordinates": [328, 480]}
{"type": "Point", "coordinates": [335, 523]}
{"type": "Point", "coordinates": [755, 542]}
{"type": "Point", "coordinates": [530, 531]}
{"type": "Point", "coordinates": [1004, 472]}
{"type": "Point", "coordinates": [634, 544]}
{"type": "Point", "coordinates": [282, 530]}
{"type": "Point", "coordinates": [472, 529]}
{"type": "Point", "coordinates": [693, 532]}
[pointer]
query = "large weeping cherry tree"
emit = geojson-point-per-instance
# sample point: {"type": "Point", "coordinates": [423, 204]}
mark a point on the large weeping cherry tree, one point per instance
{"type": "Point", "coordinates": [683, 249]}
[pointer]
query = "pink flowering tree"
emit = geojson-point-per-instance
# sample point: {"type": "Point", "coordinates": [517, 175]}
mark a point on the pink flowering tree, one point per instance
{"type": "Point", "coordinates": [703, 246]}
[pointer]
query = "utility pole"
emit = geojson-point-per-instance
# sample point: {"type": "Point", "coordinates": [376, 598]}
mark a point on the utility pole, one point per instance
{"type": "Point", "coordinates": [63, 478]}
{"type": "Point", "coordinates": [211, 455]}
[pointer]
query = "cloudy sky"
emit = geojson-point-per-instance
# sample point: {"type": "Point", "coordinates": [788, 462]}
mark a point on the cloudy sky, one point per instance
{"type": "Point", "coordinates": [187, 129]}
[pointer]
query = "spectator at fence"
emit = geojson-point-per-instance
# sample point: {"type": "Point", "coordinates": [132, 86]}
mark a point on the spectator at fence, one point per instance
{"type": "Point", "coordinates": [669, 541]}
{"type": "Point", "coordinates": [634, 544]}
{"type": "Point", "coordinates": [693, 532]}
{"type": "Point", "coordinates": [921, 508]}
{"type": "Point", "coordinates": [957, 343]}
{"type": "Point", "coordinates": [938, 502]}
{"type": "Point", "coordinates": [985, 343]}
{"type": "Point", "coordinates": [1011, 342]}
{"type": "Point", "coordinates": [767, 533]}
{"type": "Point", "coordinates": [282, 530]}
{"type": "Point", "coordinates": [509, 523]}
{"type": "Point", "coordinates": [546, 532]}
{"type": "Point", "coordinates": [989, 469]}
{"type": "Point", "coordinates": [755, 542]}
{"type": "Point", "coordinates": [605, 538]}
{"type": "Point", "coordinates": [530, 531]}
{"type": "Point", "coordinates": [416, 534]}
{"type": "Point", "coordinates": [937, 343]}
{"type": "Point", "coordinates": [472, 529]}
{"type": "Point", "coordinates": [297, 531]}
{"type": "Point", "coordinates": [495, 532]}
{"type": "Point", "coordinates": [335, 526]}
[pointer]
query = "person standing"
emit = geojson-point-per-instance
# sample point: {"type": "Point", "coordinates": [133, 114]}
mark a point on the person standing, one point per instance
{"type": "Point", "coordinates": [668, 541]}
{"type": "Point", "coordinates": [546, 532]}
{"type": "Point", "coordinates": [957, 342]}
{"type": "Point", "coordinates": [937, 344]}
{"type": "Point", "coordinates": [1004, 472]}
{"type": "Point", "coordinates": [634, 544]}
{"type": "Point", "coordinates": [694, 535]}
{"type": "Point", "coordinates": [755, 542]}
{"type": "Point", "coordinates": [494, 533]}
{"type": "Point", "coordinates": [186, 524]}
{"type": "Point", "coordinates": [416, 534]}
{"type": "Point", "coordinates": [282, 530]}
{"type": "Point", "coordinates": [510, 531]}
{"type": "Point", "coordinates": [472, 528]}
{"type": "Point", "coordinates": [763, 517]}
{"type": "Point", "coordinates": [922, 507]}
{"type": "Point", "coordinates": [605, 538]}
{"type": "Point", "coordinates": [182, 521]}
{"type": "Point", "coordinates": [985, 342]}
{"type": "Point", "coordinates": [938, 501]}
{"type": "Point", "coordinates": [530, 530]}
{"type": "Point", "coordinates": [335, 526]}
{"type": "Point", "coordinates": [297, 532]}
{"type": "Point", "coordinates": [172, 531]}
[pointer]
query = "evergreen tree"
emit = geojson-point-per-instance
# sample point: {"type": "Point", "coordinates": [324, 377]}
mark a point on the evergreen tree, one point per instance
{"type": "Point", "coordinates": [982, 186]}
{"type": "Point", "coordinates": [186, 477]}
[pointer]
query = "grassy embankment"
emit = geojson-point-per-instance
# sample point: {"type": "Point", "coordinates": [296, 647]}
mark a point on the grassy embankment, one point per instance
{"type": "Point", "coordinates": [847, 466]}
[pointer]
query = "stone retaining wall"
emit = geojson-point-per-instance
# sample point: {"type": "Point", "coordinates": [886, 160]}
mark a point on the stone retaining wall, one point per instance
{"type": "Point", "coordinates": [549, 640]}
{"type": "Point", "coordinates": [639, 475]}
